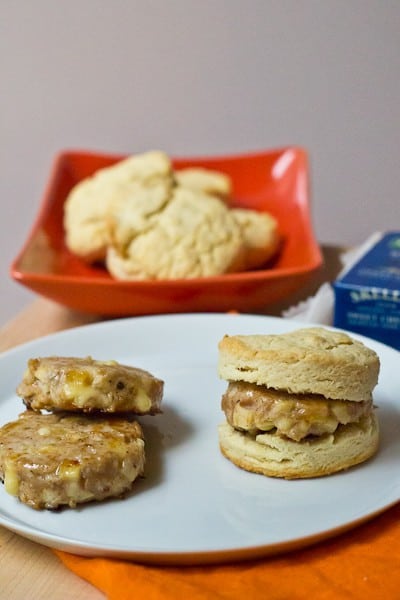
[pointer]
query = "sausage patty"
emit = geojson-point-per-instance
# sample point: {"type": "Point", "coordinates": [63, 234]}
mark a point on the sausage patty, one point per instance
{"type": "Point", "coordinates": [256, 408]}
{"type": "Point", "coordinates": [50, 460]}
{"type": "Point", "coordinates": [87, 385]}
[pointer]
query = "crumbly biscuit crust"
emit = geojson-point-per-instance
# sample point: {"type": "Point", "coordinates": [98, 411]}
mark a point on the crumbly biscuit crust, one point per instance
{"type": "Point", "coordinates": [144, 220]}
{"type": "Point", "coordinates": [260, 236]}
{"type": "Point", "coordinates": [204, 180]}
{"type": "Point", "coordinates": [91, 206]}
{"type": "Point", "coordinates": [311, 360]}
{"type": "Point", "coordinates": [191, 237]}
{"type": "Point", "coordinates": [274, 456]}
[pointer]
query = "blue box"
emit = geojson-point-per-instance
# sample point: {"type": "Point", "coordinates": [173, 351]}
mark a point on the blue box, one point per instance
{"type": "Point", "coordinates": [367, 296]}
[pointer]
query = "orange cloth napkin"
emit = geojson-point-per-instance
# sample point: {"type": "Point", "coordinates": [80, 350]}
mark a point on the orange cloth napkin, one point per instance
{"type": "Point", "coordinates": [363, 563]}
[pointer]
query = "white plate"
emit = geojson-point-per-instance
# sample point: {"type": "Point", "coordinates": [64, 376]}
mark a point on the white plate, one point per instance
{"type": "Point", "coordinates": [194, 506]}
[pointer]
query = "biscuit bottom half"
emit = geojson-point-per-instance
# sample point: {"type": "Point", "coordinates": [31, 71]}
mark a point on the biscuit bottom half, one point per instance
{"type": "Point", "coordinates": [275, 456]}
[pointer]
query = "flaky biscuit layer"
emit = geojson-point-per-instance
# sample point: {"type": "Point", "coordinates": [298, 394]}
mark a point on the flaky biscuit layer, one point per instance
{"type": "Point", "coordinates": [312, 360]}
{"type": "Point", "coordinates": [274, 456]}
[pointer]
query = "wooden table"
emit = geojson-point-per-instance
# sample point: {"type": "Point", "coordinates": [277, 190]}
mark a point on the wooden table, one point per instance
{"type": "Point", "coordinates": [29, 570]}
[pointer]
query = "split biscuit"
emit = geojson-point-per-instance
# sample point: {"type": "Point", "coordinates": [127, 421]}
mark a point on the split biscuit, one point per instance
{"type": "Point", "coordinates": [298, 404]}
{"type": "Point", "coordinates": [312, 360]}
{"type": "Point", "coordinates": [276, 456]}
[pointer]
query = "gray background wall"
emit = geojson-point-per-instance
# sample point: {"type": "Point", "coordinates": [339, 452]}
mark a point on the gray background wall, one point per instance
{"type": "Point", "coordinates": [198, 77]}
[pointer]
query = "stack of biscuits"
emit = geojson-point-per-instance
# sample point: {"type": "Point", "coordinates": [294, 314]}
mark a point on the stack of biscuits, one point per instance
{"type": "Point", "coordinates": [298, 404]}
{"type": "Point", "coordinates": [86, 445]}
{"type": "Point", "coordinates": [144, 220]}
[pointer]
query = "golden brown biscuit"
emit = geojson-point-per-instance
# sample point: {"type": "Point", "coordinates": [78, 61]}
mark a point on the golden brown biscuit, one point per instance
{"type": "Point", "coordinates": [298, 404]}
{"type": "Point", "coordinates": [195, 235]}
{"type": "Point", "coordinates": [207, 181]}
{"type": "Point", "coordinates": [146, 221]}
{"type": "Point", "coordinates": [312, 360]}
{"type": "Point", "coordinates": [276, 456]}
{"type": "Point", "coordinates": [91, 206]}
{"type": "Point", "coordinates": [260, 235]}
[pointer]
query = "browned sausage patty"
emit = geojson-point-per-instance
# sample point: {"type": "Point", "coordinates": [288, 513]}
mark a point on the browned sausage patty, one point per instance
{"type": "Point", "coordinates": [50, 460]}
{"type": "Point", "coordinates": [256, 408]}
{"type": "Point", "coordinates": [87, 385]}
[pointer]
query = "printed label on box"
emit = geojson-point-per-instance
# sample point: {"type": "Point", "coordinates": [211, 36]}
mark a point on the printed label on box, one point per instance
{"type": "Point", "coordinates": [367, 297]}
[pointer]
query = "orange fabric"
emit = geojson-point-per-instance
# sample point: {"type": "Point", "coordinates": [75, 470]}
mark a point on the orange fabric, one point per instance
{"type": "Point", "coordinates": [361, 564]}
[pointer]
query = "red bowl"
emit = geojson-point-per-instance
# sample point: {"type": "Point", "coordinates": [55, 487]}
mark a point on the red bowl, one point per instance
{"type": "Point", "coordinates": [276, 181]}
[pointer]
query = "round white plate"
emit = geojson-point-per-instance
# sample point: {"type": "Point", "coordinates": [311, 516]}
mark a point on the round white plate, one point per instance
{"type": "Point", "coordinates": [194, 506]}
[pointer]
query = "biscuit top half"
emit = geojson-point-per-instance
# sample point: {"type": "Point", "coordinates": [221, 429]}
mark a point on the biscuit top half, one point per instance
{"type": "Point", "coordinates": [306, 361]}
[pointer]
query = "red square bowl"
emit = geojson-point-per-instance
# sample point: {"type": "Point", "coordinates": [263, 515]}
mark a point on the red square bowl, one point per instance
{"type": "Point", "coordinates": [276, 181]}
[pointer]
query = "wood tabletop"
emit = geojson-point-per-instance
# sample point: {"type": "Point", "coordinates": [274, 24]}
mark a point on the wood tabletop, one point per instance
{"type": "Point", "coordinates": [29, 570]}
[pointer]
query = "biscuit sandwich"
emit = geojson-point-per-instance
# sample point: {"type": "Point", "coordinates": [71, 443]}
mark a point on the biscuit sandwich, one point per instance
{"type": "Point", "coordinates": [298, 404]}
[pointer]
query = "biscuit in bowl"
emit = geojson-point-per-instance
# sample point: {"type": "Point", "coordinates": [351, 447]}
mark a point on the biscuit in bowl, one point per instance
{"type": "Point", "coordinates": [143, 220]}
{"type": "Point", "coordinates": [207, 181]}
{"type": "Point", "coordinates": [91, 205]}
{"type": "Point", "coordinates": [194, 236]}
{"type": "Point", "coordinates": [260, 236]}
